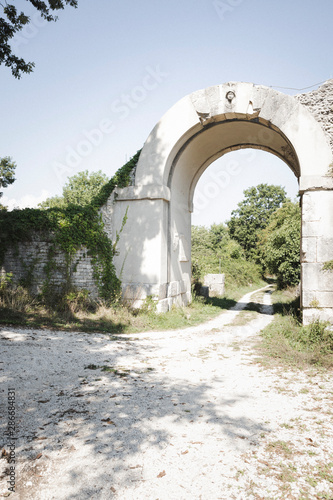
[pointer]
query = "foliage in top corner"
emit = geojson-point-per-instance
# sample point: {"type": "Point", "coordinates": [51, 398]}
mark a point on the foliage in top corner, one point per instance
{"type": "Point", "coordinates": [12, 21]}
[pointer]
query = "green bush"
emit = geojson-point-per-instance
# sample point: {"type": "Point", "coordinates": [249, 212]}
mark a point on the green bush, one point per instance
{"type": "Point", "coordinates": [5, 281]}
{"type": "Point", "coordinates": [77, 300]}
{"type": "Point", "coordinates": [149, 306]}
{"type": "Point", "coordinates": [318, 333]}
{"type": "Point", "coordinates": [288, 341]}
{"type": "Point", "coordinates": [213, 251]}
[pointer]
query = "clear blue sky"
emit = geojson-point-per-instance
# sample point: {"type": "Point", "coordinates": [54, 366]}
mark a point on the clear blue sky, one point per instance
{"type": "Point", "coordinates": [95, 56]}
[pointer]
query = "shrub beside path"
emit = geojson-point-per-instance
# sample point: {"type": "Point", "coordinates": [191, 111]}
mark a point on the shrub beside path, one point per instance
{"type": "Point", "coordinates": [165, 415]}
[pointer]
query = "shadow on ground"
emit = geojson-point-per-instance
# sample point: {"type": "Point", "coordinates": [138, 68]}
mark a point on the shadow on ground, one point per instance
{"type": "Point", "coordinates": [77, 399]}
{"type": "Point", "coordinates": [288, 308]}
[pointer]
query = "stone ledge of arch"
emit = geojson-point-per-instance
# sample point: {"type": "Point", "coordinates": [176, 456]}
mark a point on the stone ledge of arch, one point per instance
{"type": "Point", "coordinates": [315, 183]}
{"type": "Point", "coordinates": [145, 192]}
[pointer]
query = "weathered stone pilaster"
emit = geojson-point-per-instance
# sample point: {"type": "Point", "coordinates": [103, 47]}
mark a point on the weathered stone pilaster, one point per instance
{"type": "Point", "coordinates": [316, 249]}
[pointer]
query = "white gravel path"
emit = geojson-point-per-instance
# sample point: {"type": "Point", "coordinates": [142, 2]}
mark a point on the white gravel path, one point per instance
{"type": "Point", "coordinates": [187, 414]}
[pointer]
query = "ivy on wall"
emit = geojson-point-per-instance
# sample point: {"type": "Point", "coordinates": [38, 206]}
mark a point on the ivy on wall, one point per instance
{"type": "Point", "coordinates": [328, 265]}
{"type": "Point", "coordinates": [69, 229]}
{"type": "Point", "coordinates": [121, 179]}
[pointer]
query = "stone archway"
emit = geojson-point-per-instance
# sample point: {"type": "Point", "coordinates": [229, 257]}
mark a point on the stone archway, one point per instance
{"type": "Point", "coordinates": [155, 246]}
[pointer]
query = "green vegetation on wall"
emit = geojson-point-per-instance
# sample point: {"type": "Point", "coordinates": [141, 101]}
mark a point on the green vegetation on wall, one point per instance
{"type": "Point", "coordinates": [69, 229]}
{"type": "Point", "coordinates": [121, 179]}
{"type": "Point", "coordinates": [328, 265]}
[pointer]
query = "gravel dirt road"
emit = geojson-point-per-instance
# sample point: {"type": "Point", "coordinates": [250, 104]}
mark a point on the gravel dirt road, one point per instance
{"type": "Point", "coordinates": [185, 414]}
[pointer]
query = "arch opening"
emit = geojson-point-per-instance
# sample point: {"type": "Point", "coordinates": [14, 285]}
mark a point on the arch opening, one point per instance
{"type": "Point", "coordinates": [235, 253]}
{"type": "Point", "coordinates": [221, 186]}
{"type": "Point", "coordinates": [191, 161]}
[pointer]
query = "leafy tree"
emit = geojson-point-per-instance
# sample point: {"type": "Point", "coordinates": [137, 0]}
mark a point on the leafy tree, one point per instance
{"type": "Point", "coordinates": [253, 214]}
{"type": "Point", "coordinates": [7, 168]}
{"type": "Point", "coordinates": [219, 235]}
{"type": "Point", "coordinates": [80, 189]}
{"type": "Point", "coordinates": [201, 240]}
{"type": "Point", "coordinates": [216, 239]}
{"type": "Point", "coordinates": [213, 251]}
{"type": "Point", "coordinates": [280, 245]}
{"type": "Point", "coordinates": [13, 21]}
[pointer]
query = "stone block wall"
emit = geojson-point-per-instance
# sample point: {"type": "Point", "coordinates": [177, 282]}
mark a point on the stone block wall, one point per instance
{"type": "Point", "coordinates": [173, 293]}
{"type": "Point", "coordinates": [317, 248]}
{"type": "Point", "coordinates": [320, 104]}
{"type": "Point", "coordinates": [165, 295]}
{"type": "Point", "coordinates": [317, 220]}
{"type": "Point", "coordinates": [28, 261]}
{"type": "Point", "coordinates": [106, 211]}
{"type": "Point", "coordinates": [28, 264]}
{"type": "Point", "coordinates": [215, 284]}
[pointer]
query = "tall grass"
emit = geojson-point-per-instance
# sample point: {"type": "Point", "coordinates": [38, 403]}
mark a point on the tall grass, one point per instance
{"type": "Point", "coordinates": [75, 311]}
{"type": "Point", "coordinates": [289, 342]}
{"type": "Point", "coordinates": [16, 298]}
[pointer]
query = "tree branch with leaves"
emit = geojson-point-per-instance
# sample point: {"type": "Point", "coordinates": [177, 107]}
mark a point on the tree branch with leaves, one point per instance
{"type": "Point", "coordinates": [13, 21]}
